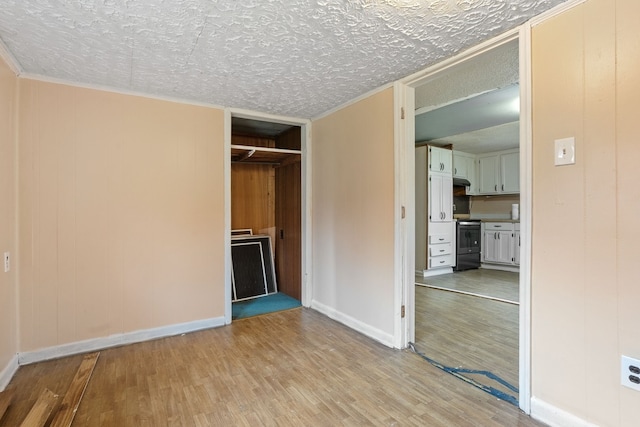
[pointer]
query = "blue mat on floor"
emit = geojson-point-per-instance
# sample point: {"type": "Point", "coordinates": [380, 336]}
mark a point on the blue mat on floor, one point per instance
{"type": "Point", "coordinates": [263, 305]}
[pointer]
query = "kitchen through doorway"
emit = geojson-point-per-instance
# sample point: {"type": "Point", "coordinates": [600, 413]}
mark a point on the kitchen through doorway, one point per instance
{"type": "Point", "coordinates": [467, 136]}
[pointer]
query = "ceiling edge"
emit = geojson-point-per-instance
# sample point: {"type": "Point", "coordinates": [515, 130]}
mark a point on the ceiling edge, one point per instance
{"type": "Point", "coordinates": [46, 79]}
{"type": "Point", "coordinates": [11, 60]}
{"type": "Point", "coordinates": [554, 11]}
{"type": "Point", "coordinates": [354, 100]}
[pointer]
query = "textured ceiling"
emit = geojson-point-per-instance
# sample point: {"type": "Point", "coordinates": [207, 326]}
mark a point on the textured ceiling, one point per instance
{"type": "Point", "coordinates": [495, 138]}
{"type": "Point", "coordinates": [290, 57]}
{"type": "Point", "coordinates": [494, 69]}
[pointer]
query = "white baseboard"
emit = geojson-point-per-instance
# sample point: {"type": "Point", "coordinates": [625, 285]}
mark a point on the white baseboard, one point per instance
{"type": "Point", "coordinates": [437, 272]}
{"type": "Point", "coordinates": [502, 267]}
{"type": "Point", "coordinates": [8, 372]}
{"type": "Point", "coordinates": [555, 417]}
{"type": "Point", "coordinates": [117, 340]}
{"type": "Point", "coordinates": [363, 328]}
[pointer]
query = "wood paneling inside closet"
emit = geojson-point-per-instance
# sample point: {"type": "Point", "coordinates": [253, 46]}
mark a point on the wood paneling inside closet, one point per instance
{"type": "Point", "coordinates": [253, 191]}
{"type": "Point", "coordinates": [288, 219]}
{"type": "Point", "coordinates": [267, 199]}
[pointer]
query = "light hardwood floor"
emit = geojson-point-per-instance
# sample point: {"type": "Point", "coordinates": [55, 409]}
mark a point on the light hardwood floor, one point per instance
{"type": "Point", "coordinates": [493, 283]}
{"type": "Point", "coordinates": [295, 368]}
{"type": "Point", "coordinates": [463, 331]}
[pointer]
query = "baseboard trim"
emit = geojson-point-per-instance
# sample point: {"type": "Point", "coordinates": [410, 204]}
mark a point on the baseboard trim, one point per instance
{"type": "Point", "coordinates": [117, 340]}
{"type": "Point", "coordinates": [555, 417]}
{"type": "Point", "coordinates": [502, 267]}
{"type": "Point", "coordinates": [355, 324]}
{"type": "Point", "coordinates": [437, 272]}
{"type": "Point", "coordinates": [8, 372]}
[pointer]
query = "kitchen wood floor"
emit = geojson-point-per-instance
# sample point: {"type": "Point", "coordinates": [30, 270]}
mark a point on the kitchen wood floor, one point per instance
{"type": "Point", "coordinates": [295, 368]}
{"type": "Point", "coordinates": [492, 283]}
{"type": "Point", "coordinates": [463, 331]}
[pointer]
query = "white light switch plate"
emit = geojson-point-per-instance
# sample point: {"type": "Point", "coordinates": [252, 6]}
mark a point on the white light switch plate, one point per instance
{"type": "Point", "coordinates": [565, 151]}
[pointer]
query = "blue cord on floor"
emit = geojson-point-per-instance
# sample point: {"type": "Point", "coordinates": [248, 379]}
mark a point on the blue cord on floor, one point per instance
{"type": "Point", "coordinates": [457, 372]}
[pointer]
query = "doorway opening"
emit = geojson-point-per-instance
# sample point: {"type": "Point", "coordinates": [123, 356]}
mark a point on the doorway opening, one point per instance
{"type": "Point", "coordinates": [265, 216]}
{"type": "Point", "coordinates": [467, 131]}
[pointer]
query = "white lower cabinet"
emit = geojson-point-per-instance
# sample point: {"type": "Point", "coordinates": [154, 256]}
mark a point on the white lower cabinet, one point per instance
{"type": "Point", "coordinates": [500, 244]}
{"type": "Point", "coordinates": [516, 244]}
{"type": "Point", "coordinates": [441, 246]}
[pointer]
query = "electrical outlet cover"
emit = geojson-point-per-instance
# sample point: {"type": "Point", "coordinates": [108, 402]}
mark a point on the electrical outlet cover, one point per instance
{"type": "Point", "coordinates": [627, 372]}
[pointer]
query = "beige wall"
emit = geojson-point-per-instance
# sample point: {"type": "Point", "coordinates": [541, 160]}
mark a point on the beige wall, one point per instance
{"type": "Point", "coordinates": [8, 328]}
{"type": "Point", "coordinates": [493, 206]}
{"type": "Point", "coordinates": [121, 214]}
{"type": "Point", "coordinates": [353, 199]}
{"type": "Point", "coordinates": [585, 279]}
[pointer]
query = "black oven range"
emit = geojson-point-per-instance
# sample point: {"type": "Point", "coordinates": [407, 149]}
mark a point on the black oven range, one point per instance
{"type": "Point", "coordinates": [468, 244]}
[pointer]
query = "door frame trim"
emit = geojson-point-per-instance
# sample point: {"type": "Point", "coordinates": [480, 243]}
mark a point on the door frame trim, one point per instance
{"type": "Point", "coordinates": [405, 187]}
{"type": "Point", "coordinates": [305, 148]}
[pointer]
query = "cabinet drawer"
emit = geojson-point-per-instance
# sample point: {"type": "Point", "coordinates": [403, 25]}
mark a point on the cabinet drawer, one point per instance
{"type": "Point", "coordinates": [498, 226]}
{"type": "Point", "coordinates": [439, 238]}
{"type": "Point", "coordinates": [438, 250]}
{"type": "Point", "coordinates": [441, 261]}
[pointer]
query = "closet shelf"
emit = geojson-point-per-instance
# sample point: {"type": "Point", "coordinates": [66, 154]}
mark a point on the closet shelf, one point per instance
{"type": "Point", "coordinates": [264, 155]}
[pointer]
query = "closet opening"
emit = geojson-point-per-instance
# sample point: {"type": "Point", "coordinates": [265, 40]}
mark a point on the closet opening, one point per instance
{"type": "Point", "coordinates": [266, 220]}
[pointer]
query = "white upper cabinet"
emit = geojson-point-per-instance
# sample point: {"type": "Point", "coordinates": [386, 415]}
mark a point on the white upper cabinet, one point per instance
{"type": "Point", "coordinates": [464, 166]}
{"type": "Point", "coordinates": [440, 160]}
{"type": "Point", "coordinates": [510, 172]}
{"type": "Point", "coordinates": [499, 173]}
{"type": "Point", "coordinates": [488, 168]}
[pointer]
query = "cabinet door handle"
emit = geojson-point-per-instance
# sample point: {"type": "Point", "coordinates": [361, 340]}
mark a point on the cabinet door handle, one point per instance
{"type": "Point", "coordinates": [495, 187]}
{"type": "Point", "coordinates": [455, 171]}
{"type": "Point", "coordinates": [502, 187]}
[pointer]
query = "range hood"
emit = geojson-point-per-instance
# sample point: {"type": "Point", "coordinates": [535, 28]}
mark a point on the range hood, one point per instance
{"type": "Point", "coordinates": [461, 182]}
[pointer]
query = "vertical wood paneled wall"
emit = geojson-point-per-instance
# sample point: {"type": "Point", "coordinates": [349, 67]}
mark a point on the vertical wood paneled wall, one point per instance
{"type": "Point", "coordinates": [353, 213]}
{"type": "Point", "coordinates": [586, 63]}
{"type": "Point", "coordinates": [8, 294]}
{"type": "Point", "coordinates": [121, 214]}
{"type": "Point", "coordinates": [253, 191]}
